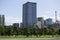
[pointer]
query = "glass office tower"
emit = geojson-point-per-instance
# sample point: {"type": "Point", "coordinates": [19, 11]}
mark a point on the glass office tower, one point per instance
{"type": "Point", "coordinates": [29, 14]}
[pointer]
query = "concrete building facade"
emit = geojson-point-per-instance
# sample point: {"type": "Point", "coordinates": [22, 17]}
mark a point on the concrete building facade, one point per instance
{"type": "Point", "coordinates": [40, 19]}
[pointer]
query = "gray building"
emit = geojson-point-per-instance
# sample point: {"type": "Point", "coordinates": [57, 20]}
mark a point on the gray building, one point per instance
{"type": "Point", "coordinates": [38, 24]}
{"type": "Point", "coordinates": [29, 14]}
{"type": "Point", "coordinates": [42, 21]}
{"type": "Point", "coordinates": [21, 25]}
{"type": "Point", "coordinates": [15, 24]}
{"type": "Point", "coordinates": [2, 20]}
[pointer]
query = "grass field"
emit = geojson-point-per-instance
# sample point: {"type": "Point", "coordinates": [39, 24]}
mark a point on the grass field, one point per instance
{"type": "Point", "coordinates": [22, 36]}
{"type": "Point", "coordinates": [30, 39]}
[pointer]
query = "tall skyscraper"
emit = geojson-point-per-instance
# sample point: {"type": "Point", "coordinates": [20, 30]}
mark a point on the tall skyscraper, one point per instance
{"type": "Point", "coordinates": [2, 20]}
{"type": "Point", "coordinates": [29, 14]}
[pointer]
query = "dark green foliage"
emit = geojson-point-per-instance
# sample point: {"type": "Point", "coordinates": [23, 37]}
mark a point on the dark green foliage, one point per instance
{"type": "Point", "coordinates": [10, 30]}
{"type": "Point", "coordinates": [58, 32]}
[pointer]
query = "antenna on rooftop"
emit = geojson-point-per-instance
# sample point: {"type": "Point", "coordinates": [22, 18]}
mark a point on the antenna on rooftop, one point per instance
{"type": "Point", "coordinates": [55, 16]}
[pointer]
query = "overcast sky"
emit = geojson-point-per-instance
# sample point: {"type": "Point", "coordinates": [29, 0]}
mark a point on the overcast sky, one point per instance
{"type": "Point", "coordinates": [12, 9]}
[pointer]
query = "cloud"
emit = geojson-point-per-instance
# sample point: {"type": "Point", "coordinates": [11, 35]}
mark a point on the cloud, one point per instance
{"type": "Point", "coordinates": [11, 20]}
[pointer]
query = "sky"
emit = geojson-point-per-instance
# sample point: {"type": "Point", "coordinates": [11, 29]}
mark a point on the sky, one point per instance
{"type": "Point", "coordinates": [12, 9]}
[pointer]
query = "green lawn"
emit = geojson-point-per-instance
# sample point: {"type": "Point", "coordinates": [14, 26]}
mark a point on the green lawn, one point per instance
{"type": "Point", "coordinates": [29, 38]}
{"type": "Point", "coordinates": [22, 36]}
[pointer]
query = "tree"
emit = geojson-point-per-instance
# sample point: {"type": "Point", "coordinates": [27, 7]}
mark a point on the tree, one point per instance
{"type": "Point", "coordinates": [59, 31]}
{"type": "Point", "coordinates": [46, 30]}
{"type": "Point", "coordinates": [2, 30]}
{"type": "Point", "coordinates": [52, 31]}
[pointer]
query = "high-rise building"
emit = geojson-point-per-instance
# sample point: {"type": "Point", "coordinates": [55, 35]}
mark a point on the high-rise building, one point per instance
{"type": "Point", "coordinates": [2, 20]}
{"type": "Point", "coordinates": [48, 21]}
{"type": "Point", "coordinates": [29, 14]}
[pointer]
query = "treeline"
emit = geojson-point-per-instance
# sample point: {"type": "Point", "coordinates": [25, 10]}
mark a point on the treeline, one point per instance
{"type": "Point", "coordinates": [10, 30]}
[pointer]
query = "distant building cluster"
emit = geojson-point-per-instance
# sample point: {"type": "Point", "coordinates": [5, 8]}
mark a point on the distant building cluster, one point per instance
{"type": "Point", "coordinates": [29, 18]}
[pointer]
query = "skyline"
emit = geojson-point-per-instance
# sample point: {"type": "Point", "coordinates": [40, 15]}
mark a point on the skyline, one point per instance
{"type": "Point", "coordinates": [12, 9]}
